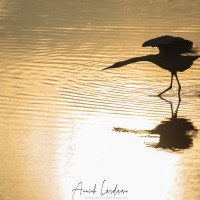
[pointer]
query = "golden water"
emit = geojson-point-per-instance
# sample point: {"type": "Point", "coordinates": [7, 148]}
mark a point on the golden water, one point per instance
{"type": "Point", "coordinates": [64, 121]}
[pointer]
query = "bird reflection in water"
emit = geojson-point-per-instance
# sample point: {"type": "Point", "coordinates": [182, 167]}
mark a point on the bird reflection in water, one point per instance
{"type": "Point", "coordinates": [176, 133]}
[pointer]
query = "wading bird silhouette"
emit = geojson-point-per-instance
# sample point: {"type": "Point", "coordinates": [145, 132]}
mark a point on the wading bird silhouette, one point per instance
{"type": "Point", "coordinates": [176, 54]}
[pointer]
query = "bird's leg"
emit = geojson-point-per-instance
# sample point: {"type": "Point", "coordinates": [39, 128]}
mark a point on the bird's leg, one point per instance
{"type": "Point", "coordinates": [179, 87]}
{"type": "Point", "coordinates": [172, 75]}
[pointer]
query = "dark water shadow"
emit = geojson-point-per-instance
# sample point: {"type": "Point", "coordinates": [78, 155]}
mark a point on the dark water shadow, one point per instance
{"type": "Point", "coordinates": [176, 133]}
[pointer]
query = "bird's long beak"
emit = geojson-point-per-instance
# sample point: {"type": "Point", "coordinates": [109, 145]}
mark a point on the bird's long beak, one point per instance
{"type": "Point", "coordinates": [112, 66]}
{"type": "Point", "coordinates": [107, 68]}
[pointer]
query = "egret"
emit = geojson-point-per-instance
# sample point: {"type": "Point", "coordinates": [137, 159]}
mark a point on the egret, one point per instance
{"type": "Point", "coordinates": [176, 54]}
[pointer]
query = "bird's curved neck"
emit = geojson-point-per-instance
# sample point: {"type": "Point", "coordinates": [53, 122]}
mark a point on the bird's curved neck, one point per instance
{"type": "Point", "coordinates": [149, 58]}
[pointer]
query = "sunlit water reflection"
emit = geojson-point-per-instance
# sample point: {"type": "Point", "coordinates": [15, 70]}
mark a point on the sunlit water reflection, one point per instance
{"type": "Point", "coordinates": [59, 110]}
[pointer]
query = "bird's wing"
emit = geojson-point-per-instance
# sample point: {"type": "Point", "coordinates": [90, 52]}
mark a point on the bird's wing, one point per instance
{"type": "Point", "coordinates": [162, 40]}
{"type": "Point", "coordinates": [181, 47]}
{"type": "Point", "coordinates": [171, 44]}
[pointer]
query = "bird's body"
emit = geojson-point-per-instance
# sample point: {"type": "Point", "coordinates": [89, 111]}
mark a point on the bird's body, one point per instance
{"type": "Point", "coordinates": [173, 63]}
{"type": "Point", "coordinates": [175, 55]}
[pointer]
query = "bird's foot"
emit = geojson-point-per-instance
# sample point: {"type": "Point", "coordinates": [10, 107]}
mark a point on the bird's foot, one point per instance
{"type": "Point", "coordinates": [160, 95]}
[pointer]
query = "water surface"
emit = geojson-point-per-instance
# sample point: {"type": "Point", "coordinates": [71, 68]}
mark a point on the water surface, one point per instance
{"type": "Point", "coordinates": [64, 121]}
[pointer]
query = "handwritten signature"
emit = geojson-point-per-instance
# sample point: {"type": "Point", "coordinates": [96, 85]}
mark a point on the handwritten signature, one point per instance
{"type": "Point", "coordinates": [79, 189]}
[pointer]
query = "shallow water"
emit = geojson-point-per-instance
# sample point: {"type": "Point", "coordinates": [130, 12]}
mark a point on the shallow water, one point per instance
{"type": "Point", "coordinates": [64, 121]}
